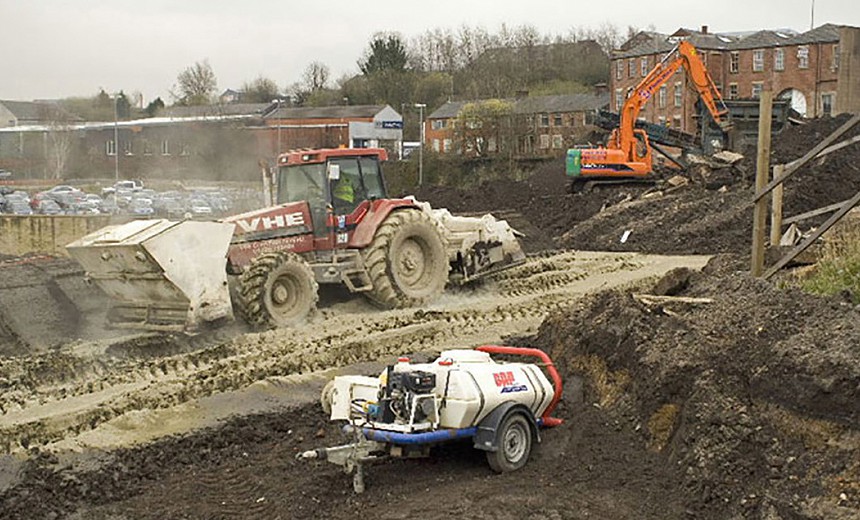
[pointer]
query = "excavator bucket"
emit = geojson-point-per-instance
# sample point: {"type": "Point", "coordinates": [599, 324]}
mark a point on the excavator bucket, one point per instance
{"type": "Point", "coordinates": [161, 274]}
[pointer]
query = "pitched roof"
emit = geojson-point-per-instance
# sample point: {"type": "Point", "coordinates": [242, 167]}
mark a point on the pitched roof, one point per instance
{"type": "Point", "coordinates": [534, 104]}
{"type": "Point", "coordinates": [28, 111]}
{"type": "Point", "coordinates": [762, 39]}
{"type": "Point", "coordinates": [561, 103]}
{"type": "Point", "coordinates": [448, 110]}
{"type": "Point", "coordinates": [827, 33]}
{"type": "Point", "coordinates": [228, 109]}
{"type": "Point", "coordinates": [333, 112]}
{"type": "Point", "coordinates": [647, 43]}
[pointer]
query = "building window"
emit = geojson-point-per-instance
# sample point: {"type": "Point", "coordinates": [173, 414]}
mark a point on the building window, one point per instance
{"type": "Point", "coordinates": [676, 122]}
{"type": "Point", "coordinates": [446, 145]}
{"type": "Point", "coordinates": [661, 120]}
{"type": "Point", "coordinates": [803, 57]}
{"type": "Point", "coordinates": [643, 63]}
{"type": "Point", "coordinates": [110, 147]}
{"type": "Point", "coordinates": [544, 141]}
{"type": "Point", "coordinates": [827, 104]}
{"type": "Point", "coordinates": [557, 142]}
{"type": "Point", "coordinates": [835, 65]}
{"type": "Point", "coordinates": [631, 67]}
{"type": "Point", "coordinates": [619, 100]}
{"type": "Point", "coordinates": [183, 149]}
{"type": "Point", "coordinates": [619, 69]}
{"type": "Point", "coordinates": [165, 147]}
{"type": "Point", "coordinates": [436, 145]}
{"type": "Point", "coordinates": [756, 89]}
{"type": "Point", "coordinates": [733, 63]}
{"type": "Point", "coordinates": [438, 124]}
{"type": "Point", "coordinates": [733, 90]}
{"type": "Point", "coordinates": [661, 96]}
{"type": "Point", "coordinates": [557, 120]}
{"type": "Point", "coordinates": [778, 59]}
{"type": "Point", "coordinates": [678, 94]}
{"type": "Point", "coordinates": [544, 120]}
{"type": "Point", "coordinates": [758, 60]}
{"type": "Point", "coordinates": [127, 148]}
{"type": "Point", "coordinates": [147, 147]}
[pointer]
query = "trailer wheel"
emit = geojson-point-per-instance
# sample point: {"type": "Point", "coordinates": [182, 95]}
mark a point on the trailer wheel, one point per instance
{"type": "Point", "coordinates": [277, 290]}
{"type": "Point", "coordinates": [515, 444]}
{"type": "Point", "coordinates": [406, 260]}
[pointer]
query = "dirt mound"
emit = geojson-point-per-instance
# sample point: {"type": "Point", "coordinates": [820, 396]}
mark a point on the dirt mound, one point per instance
{"type": "Point", "coordinates": [541, 200]}
{"type": "Point", "coordinates": [753, 397]}
{"type": "Point", "coordinates": [45, 302]}
{"type": "Point", "coordinates": [712, 214]}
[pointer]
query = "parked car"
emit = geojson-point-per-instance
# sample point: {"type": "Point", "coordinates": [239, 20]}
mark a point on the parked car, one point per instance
{"type": "Point", "coordinates": [17, 208]}
{"type": "Point", "coordinates": [48, 206]}
{"type": "Point", "coordinates": [123, 185]}
{"type": "Point", "coordinates": [109, 206]}
{"type": "Point", "coordinates": [200, 208]}
{"type": "Point", "coordinates": [5, 174]}
{"type": "Point", "coordinates": [141, 208]}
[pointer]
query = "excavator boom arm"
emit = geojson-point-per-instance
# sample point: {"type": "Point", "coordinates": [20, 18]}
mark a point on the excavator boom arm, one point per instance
{"type": "Point", "coordinates": [683, 55]}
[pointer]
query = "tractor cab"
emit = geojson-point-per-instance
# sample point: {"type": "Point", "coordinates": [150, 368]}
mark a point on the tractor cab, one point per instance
{"type": "Point", "coordinates": [337, 180]}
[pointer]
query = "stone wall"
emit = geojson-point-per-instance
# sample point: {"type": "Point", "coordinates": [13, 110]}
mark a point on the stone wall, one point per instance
{"type": "Point", "coordinates": [44, 234]}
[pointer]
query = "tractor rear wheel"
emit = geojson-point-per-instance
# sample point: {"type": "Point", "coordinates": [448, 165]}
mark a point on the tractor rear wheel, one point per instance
{"type": "Point", "coordinates": [406, 260]}
{"type": "Point", "coordinates": [277, 290]}
{"type": "Point", "coordinates": [515, 444]}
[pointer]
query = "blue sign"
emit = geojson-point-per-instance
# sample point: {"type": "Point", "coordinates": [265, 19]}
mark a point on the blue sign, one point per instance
{"type": "Point", "coordinates": [393, 125]}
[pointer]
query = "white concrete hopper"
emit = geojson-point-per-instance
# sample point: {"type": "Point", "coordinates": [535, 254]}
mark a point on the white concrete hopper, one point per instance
{"type": "Point", "coordinates": [162, 275]}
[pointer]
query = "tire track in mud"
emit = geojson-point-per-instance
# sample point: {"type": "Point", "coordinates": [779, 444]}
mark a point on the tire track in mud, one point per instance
{"type": "Point", "coordinates": [51, 396]}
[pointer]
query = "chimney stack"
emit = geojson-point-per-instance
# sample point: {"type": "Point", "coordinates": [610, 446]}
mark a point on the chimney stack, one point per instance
{"type": "Point", "coordinates": [704, 29]}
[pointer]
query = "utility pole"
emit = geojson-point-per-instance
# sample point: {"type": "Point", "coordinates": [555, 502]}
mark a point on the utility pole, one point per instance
{"type": "Point", "coordinates": [421, 107]}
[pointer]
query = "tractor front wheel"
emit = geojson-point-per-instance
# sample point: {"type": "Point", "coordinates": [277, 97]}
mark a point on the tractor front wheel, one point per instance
{"type": "Point", "coordinates": [277, 290]}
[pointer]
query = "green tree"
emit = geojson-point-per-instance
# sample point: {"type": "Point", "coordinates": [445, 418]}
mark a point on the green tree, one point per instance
{"type": "Point", "coordinates": [154, 107]}
{"type": "Point", "coordinates": [123, 106]}
{"type": "Point", "coordinates": [484, 127]}
{"type": "Point", "coordinates": [196, 85]}
{"type": "Point", "coordinates": [386, 53]}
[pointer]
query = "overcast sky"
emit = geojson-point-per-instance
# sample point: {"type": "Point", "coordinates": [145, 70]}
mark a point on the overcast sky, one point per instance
{"type": "Point", "coordinates": [53, 48]}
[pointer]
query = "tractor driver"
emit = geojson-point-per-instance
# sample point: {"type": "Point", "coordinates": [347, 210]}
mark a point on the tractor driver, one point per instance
{"type": "Point", "coordinates": [344, 194]}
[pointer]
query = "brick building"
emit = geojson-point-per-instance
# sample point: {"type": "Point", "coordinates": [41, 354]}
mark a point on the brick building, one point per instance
{"type": "Point", "coordinates": [802, 67]}
{"type": "Point", "coordinates": [351, 126]}
{"type": "Point", "coordinates": [538, 126]}
{"type": "Point", "coordinates": [222, 142]}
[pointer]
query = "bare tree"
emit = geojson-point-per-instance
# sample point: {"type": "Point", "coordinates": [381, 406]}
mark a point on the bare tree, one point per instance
{"type": "Point", "coordinates": [316, 76]}
{"type": "Point", "coordinates": [260, 90]}
{"type": "Point", "coordinates": [196, 84]}
{"type": "Point", "coordinates": [59, 138]}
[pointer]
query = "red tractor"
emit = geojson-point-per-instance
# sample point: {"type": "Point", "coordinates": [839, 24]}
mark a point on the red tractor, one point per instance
{"type": "Point", "coordinates": [332, 222]}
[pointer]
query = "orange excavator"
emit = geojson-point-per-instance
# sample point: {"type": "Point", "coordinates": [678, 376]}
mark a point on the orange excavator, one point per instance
{"type": "Point", "coordinates": [627, 155]}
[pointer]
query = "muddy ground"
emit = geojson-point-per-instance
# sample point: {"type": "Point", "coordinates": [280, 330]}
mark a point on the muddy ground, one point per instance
{"type": "Point", "coordinates": [739, 402]}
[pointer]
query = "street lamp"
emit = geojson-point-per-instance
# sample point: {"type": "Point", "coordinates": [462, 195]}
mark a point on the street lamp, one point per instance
{"type": "Point", "coordinates": [421, 107]}
{"type": "Point", "coordinates": [278, 114]}
{"type": "Point", "coordinates": [116, 139]}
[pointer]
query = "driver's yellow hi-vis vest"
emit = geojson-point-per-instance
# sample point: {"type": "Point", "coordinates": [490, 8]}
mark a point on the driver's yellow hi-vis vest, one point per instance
{"type": "Point", "coordinates": [344, 191]}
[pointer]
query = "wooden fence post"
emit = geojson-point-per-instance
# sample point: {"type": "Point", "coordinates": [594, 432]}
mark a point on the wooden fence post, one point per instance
{"type": "Point", "coordinates": [761, 179]}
